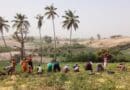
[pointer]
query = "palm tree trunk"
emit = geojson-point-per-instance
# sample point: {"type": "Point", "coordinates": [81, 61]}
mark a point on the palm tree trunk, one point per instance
{"type": "Point", "coordinates": [40, 42]}
{"type": "Point", "coordinates": [22, 49]}
{"type": "Point", "coordinates": [54, 38]}
{"type": "Point", "coordinates": [22, 46]}
{"type": "Point", "coordinates": [71, 36]}
{"type": "Point", "coordinates": [5, 44]}
{"type": "Point", "coordinates": [70, 40]}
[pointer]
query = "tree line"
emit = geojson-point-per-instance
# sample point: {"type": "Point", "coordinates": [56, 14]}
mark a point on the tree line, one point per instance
{"type": "Point", "coordinates": [22, 25]}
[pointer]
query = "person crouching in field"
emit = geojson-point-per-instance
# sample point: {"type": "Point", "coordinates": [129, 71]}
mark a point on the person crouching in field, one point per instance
{"type": "Point", "coordinates": [11, 68]}
{"type": "Point", "coordinates": [49, 67]}
{"type": "Point", "coordinates": [24, 65]}
{"type": "Point", "coordinates": [66, 69]}
{"type": "Point", "coordinates": [105, 61]}
{"type": "Point", "coordinates": [121, 67]}
{"type": "Point", "coordinates": [56, 66]}
{"type": "Point", "coordinates": [30, 63]}
{"type": "Point", "coordinates": [106, 58]}
{"type": "Point", "coordinates": [39, 70]}
{"type": "Point", "coordinates": [88, 67]}
{"type": "Point", "coordinates": [76, 68]}
{"type": "Point", "coordinates": [99, 68]}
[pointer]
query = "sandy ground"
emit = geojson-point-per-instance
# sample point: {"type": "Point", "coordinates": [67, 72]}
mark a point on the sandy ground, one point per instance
{"type": "Point", "coordinates": [96, 43]}
{"type": "Point", "coordinates": [10, 42]}
{"type": "Point", "coordinates": [6, 56]}
{"type": "Point", "coordinates": [106, 43]}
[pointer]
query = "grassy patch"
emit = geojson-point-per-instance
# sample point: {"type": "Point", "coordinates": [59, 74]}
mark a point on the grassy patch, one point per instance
{"type": "Point", "coordinates": [69, 81]}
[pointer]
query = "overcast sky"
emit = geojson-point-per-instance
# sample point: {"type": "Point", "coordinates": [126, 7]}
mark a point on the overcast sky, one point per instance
{"type": "Point", "coordinates": [104, 17]}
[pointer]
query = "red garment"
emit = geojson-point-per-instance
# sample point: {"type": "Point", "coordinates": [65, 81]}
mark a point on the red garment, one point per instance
{"type": "Point", "coordinates": [24, 65]}
{"type": "Point", "coordinates": [30, 70]}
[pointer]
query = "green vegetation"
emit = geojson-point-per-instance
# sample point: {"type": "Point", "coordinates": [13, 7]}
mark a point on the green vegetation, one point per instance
{"type": "Point", "coordinates": [5, 49]}
{"type": "Point", "coordinates": [66, 54]}
{"type": "Point", "coordinates": [69, 81]}
{"type": "Point", "coordinates": [81, 53]}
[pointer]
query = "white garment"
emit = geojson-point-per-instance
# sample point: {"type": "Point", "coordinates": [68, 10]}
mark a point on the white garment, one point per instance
{"type": "Point", "coordinates": [105, 62]}
{"type": "Point", "coordinates": [39, 69]}
{"type": "Point", "coordinates": [66, 67]}
{"type": "Point", "coordinates": [76, 68]}
{"type": "Point", "coordinates": [91, 62]}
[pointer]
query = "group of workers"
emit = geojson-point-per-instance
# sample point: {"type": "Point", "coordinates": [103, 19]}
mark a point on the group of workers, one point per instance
{"type": "Point", "coordinates": [26, 65]}
{"type": "Point", "coordinates": [54, 66]}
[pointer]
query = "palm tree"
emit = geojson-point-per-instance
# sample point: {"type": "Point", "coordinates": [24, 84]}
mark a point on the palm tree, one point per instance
{"type": "Point", "coordinates": [4, 27]}
{"type": "Point", "coordinates": [70, 21]}
{"type": "Point", "coordinates": [21, 25]}
{"type": "Point", "coordinates": [39, 25]}
{"type": "Point", "coordinates": [51, 14]}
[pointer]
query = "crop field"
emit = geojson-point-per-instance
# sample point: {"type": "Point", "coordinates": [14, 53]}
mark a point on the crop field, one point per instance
{"type": "Point", "coordinates": [69, 81]}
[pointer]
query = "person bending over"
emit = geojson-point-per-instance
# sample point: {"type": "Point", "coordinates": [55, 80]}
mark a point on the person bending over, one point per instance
{"type": "Point", "coordinates": [76, 68]}
{"type": "Point", "coordinates": [11, 68]}
{"type": "Point", "coordinates": [56, 67]}
{"type": "Point", "coordinates": [24, 65]}
{"type": "Point", "coordinates": [30, 63]}
{"type": "Point", "coordinates": [66, 69]}
{"type": "Point", "coordinates": [121, 67]}
{"type": "Point", "coordinates": [49, 67]}
{"type": "Point", "coordinates": [39, 69]}
{"type": "Point", "coordinates": [100, 68]}
{"type": "Point", "coordinates": [88, 66]}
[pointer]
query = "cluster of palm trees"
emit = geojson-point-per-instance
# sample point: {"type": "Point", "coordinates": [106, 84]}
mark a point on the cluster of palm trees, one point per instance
{"type": "Point", "coordinates": [21, 24]}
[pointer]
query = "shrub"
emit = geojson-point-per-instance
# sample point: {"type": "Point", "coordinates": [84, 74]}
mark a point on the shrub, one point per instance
{"type": "Point", "coordinates": [5, 49]}
{"type": "Point", "coordinates": [81, 57]}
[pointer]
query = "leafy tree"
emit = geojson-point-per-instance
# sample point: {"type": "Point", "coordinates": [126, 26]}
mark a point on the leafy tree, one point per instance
{"type": "Point", "coordinates": [48, 39]}
{"type": "Point", "coordinates": [21, 24]}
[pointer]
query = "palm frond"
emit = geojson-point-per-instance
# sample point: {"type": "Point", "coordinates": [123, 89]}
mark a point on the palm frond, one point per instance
{"type": "Point", "coordinates": [6, 27]}
{"type": "Point", "coordinates": [75, 26]}
{"type": "Point", "coordinates": [3, 25]}
{"type": "Point", "coordinates": [50, 12]}
{"type": "Point", "coordinates": [20, 22]}
{"type": "Point", "coordinates": [70, 20]}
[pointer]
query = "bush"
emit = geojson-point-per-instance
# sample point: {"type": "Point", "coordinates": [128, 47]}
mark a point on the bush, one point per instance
{"type": "Point", "coordinates": [81, 57]}
{"type": "Point", "coordinates": [80, 53]}
{"type": "Point", "coordinates": [17, 57]}
{"type": "Point", "coordinates": [5, 49]}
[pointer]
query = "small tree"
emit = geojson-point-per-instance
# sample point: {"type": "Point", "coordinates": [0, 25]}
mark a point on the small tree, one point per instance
{"type": "Point", "coordinates": [99, 36]}
{"type": "Point", "coordinates": [21, 25]}
{"type": "Point", "coordinates": [48, 39]}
